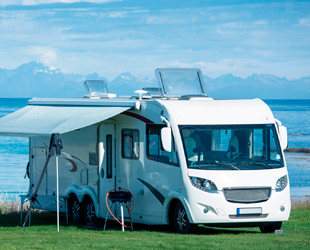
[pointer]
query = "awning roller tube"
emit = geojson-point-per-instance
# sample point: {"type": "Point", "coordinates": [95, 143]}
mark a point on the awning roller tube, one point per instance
{"type": "Point", "coordinates": [32, 121]}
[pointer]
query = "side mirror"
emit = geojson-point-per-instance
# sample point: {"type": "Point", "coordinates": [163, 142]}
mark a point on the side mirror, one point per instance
{"type": "Point", "coordinates": [166, 138]}
{"type": "Point", "coordinates": [283, 136]}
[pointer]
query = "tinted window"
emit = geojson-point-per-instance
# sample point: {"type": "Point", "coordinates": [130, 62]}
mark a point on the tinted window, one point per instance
{"type": "Point", "coordinates": [109, 156]}
{"type": "Point", "coordinates": [154, 148]}
{"type": "Point", "coordinates": [130, 143]}
{"type": "Point", "coordinates": [230, 147]}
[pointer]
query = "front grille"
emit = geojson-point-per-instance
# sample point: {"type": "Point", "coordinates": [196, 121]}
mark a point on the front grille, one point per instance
{"type": "Point", "coordinates": [247, 195]}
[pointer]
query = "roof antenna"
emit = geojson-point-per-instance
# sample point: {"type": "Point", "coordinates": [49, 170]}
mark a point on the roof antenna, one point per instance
{"type": "Point", "coordinates": [141, 92]}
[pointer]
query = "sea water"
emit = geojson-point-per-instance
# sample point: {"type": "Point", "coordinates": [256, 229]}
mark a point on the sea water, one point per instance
{"type": "Point", "coordinates": [13, 155]}
{"type": "Point", "coordinates": [294, 114]}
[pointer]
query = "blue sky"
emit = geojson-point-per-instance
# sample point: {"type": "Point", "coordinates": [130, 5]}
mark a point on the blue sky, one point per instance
{"type": "Point", "coordinates": [111, 37]}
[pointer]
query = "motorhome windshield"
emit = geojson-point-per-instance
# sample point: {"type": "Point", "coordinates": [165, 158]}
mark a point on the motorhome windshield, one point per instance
{"type": "Point", "coordinates": [180, 82]}
{"type": "Point", "coordinates": [231, 147]}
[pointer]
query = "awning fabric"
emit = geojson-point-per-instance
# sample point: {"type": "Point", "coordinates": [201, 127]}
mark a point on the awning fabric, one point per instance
{"type": "Point", "coordinates": [33, 120]}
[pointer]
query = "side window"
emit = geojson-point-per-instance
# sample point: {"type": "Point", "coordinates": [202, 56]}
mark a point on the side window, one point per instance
{"type": "Point", "coordinates": [154, 148]}
{"type": "Point", "coordinates": [109, 156]}
{"type": "Point", "coordinates": [274, 152]}
{"type": "Point", "coordinates": [154, 141]}
{"type": "Point", "coordinates": [130, 143]}
{"type": "Point", "coordinates": [258, 143]}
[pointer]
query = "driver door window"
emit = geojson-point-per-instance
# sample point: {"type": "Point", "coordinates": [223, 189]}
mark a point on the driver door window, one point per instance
{"type": "Point", "coordinates": [154, 148]}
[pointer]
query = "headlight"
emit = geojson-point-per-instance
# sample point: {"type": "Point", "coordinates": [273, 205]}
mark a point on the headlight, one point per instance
{"type": "Point", "coordinates": [281, 183]}
{"type": "Point", "coordinates": [203, 184]}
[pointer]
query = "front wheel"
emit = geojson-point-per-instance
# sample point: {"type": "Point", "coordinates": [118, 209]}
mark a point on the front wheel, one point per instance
{"type": "Point", "coordinates": [90, 214]}
{"type": "Point", "coordinates": [270, 228]}
{"type": "Point", "coordinates": [180, 220]}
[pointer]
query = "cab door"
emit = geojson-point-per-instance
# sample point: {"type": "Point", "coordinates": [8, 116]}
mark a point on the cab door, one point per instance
{"type": "Point", "coordinates": [106, 164]}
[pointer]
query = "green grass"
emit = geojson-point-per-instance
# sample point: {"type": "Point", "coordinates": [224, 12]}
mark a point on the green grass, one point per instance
{"type": "Point", "coordinates": [43, 235]}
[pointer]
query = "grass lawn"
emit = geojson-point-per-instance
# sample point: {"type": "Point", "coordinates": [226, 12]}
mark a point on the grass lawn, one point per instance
{"type": "Point", "coordinates": [43, 235]}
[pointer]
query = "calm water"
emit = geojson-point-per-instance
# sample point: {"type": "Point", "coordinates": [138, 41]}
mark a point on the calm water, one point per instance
{"type": "Point", "coordinates": [294, 114]}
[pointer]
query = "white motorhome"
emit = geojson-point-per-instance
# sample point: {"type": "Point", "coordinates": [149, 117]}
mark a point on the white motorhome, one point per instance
{"type": "Point", "coordinates": [187, 159]}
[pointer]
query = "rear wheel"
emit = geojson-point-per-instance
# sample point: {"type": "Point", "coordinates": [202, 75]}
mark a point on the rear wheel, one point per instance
{"type": "Point", "coordinates": [90, 214]}
{"type": "Point", "coordinates": [180, 220]}
{"type": "Point", "coordinates": [270, 228]}
{"type": "Point", "coordinates": [75, 210]}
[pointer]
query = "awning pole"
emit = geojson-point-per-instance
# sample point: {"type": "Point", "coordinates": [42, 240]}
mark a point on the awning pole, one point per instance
{"type": "Point", "coordinates": [57, 183]}
{"type": "Point", "coordinates": [58, 147]}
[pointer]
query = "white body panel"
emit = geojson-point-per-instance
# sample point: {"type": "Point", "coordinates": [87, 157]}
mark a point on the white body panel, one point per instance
{"type": "Point", "coordinates": [211, 111]}
{"type": "Point", "coordinates": [156, 185]}
{"type": "Point", "coordinates": [226, 211]}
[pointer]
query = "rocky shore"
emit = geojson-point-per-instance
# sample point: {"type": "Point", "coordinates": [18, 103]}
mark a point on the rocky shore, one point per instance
{"type": "Point", "coordinates": [297, 150]}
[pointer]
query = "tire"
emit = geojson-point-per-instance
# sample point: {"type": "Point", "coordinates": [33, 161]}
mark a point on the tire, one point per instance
{"type": "Point", "coordinates": [270, 228]}
{"type": "Point", "coordinates": [181, 223]}
{"type": "Point", "coordinates": [75, 210]}
{"type": "Point", "coordinates": [90, 214]}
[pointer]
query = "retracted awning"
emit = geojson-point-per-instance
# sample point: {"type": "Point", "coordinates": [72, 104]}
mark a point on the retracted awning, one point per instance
{"type": "Point", "coordinates": [39, 120]}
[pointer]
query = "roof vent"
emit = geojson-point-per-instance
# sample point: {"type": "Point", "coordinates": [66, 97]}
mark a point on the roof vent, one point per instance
{"type": "Point", "coordinates": [174, 83]}
{"type": "Point", "coordinates": [97, 89]}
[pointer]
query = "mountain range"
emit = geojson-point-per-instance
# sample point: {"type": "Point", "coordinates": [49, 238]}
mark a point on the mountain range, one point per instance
{"type": "Point", "coordinates": [37, 80]}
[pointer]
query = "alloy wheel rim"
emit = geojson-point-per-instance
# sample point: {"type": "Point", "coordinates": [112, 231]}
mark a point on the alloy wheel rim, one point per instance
{"type": "Point", "coordinates": [76, 211]}
{"type": "Point", "coordinates": [90, 212]}
{"type": "Point", "coordinates": [181, 219]}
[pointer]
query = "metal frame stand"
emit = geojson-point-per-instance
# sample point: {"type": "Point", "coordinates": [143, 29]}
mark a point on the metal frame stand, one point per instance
{"type": "Point", "coordinates": [120, 196]}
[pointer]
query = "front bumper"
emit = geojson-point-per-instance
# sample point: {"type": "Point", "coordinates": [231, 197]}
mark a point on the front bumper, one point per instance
{"type": "Point", "coordinates": [213, 208]}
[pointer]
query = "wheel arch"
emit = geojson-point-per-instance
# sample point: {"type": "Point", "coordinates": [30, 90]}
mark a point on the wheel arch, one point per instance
{"type": "Point", "coordinates": [170, 203]}
{"type": "Point", "coordinates": [82, 193]}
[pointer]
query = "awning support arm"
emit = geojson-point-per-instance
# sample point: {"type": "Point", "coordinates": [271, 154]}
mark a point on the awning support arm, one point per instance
{"type": "Point", "coordinates": [54, 148]}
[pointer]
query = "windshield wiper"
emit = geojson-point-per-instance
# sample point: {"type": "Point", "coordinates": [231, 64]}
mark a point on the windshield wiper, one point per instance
{"type": "Point", "coordinates": [217, 163]}
{"type": "Point", "coordinates": [226, 164]}
{"type": "Point", "coordinates": [254, 163]}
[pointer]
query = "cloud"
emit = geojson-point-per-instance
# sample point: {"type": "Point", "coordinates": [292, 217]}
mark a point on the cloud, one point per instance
{"type": "Point", "coordinates": [46, 55]}
{"type": "Point", "coordinates": [261, 22]}
{"type": "Point", "coordinates": [38, 2]}
{"type": "Point", "coordinates": [304, 22]}
{"type": "Point", "coordinates": [163, 20]}
{"type": "Point", "coordinates": [265, 53]}
{"type": "Point", "coordinates": [238, 66]}
{"type": "Point", "coordinates": [118, 14]}
{"type": "Point", "coordinates": [138, 36]}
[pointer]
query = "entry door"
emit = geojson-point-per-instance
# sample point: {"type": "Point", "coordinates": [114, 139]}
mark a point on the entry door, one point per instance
{"type": "Point", "coordinates": [106, 164]}
{"type": "Point", "coordinates": [38, 161]}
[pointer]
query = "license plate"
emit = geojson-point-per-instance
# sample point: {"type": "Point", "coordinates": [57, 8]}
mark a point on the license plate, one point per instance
{"type": "Point", "coordinates": [249, 210]}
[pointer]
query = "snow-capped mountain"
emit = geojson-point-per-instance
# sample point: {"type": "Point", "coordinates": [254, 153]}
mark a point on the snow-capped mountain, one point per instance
{"type": "Point", "coordinates": [126, 84]}
{"type": "Point", "coordinates": [37, 80]}
{"type": "Point", "coordinates": [258, 85]}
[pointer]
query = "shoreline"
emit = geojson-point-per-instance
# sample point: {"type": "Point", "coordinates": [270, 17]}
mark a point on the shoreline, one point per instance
{"type": "Point", "coordinates": [10, 202]}
{"type": "Point", "coordinates": [14, 206]}
{"type": "Point", "coordinates": [297, 150]}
